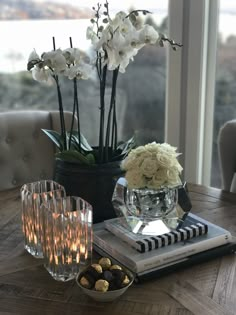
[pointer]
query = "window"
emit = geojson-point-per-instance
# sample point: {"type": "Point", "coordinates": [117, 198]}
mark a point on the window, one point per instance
{"type": "Point", "coordinates": [26, 25]}
{"type": "Point", "coordinates": [225, 80]}
{"type": "Point", "coordinates": [190, 97]}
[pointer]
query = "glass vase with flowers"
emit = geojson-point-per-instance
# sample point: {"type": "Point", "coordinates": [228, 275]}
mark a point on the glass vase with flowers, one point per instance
{"type": "Point", "coordinates": [148, 194]}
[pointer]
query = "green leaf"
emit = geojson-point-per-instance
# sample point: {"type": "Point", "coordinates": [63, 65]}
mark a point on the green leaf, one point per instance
{"type": "Point", "coordinates": [55, 137]}
{"type": "Point", "coordinates": [90, 157]}
{"type": "Point", "coordinates": [128, 145]}
{"type": "Point", "coordinates": [75, 156]}
{"type": "Point", "coordinates": [83, 141]}
{"type": "Point", "coordinates": [123, 149]}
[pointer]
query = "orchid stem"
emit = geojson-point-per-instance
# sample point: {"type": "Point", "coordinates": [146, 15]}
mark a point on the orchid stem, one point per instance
{"type": "Point", "coordinates": [102, 114]}
{"type": "Point", "coordinates": [75, 109]}
{"type": "Point", "coordinates": [61, 111]}
{"type": "Point", "coordinates": [111, 109]}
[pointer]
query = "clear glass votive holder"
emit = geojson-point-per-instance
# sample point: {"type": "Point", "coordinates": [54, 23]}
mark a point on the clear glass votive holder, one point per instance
{"type": "Point", "coordinates": [33, 195]}
{"type": "Point", "coordinates": [67, 236]}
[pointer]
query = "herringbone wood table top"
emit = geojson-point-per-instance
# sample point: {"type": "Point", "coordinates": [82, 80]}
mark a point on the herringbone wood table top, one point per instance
{"type": "Point", "coordinates": [206, 289]}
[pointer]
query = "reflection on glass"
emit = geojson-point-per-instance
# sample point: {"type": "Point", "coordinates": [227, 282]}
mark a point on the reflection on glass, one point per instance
{"type": "Point", "coordinates": [32, 197]}
{"type": "Point", "coordinates": [146, 211]}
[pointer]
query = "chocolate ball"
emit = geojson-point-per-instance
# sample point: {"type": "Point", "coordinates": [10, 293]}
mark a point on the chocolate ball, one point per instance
{"type": "Point", "coordinates": [119, 277]}
{"type": "Point", "coordinates": [101, 285]}
{"type": "Point", "coordinates": [113, 267]}
{"type": "Point", "coordinates": [126, 281]}
{"type": "Point", "coordinates": [105, 263]}
{"type": "Point", "coordinates": [97, 267]}
{"type": "Point", "coordinates": [95, 271]}
{"type": "Point", "coordinates": [85, 283]}
{"type": "Point", "coordinates": [107, 275]}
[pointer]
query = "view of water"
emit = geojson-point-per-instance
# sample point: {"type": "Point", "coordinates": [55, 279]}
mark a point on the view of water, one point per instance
{"type": "Point", "coordinates": [19, 38]}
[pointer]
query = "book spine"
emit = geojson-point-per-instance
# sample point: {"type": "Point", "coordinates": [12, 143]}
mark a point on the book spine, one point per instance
{"type": "Point", "coordinates": [181, 252]}
{"type": "Point", "coordinates": [185, 262]}
{"type": "Point", "coordinates": [148, 243]}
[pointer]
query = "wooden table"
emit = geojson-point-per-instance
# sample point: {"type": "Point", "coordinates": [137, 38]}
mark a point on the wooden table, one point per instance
{"type": "Point", "coordinates": [206, 289]}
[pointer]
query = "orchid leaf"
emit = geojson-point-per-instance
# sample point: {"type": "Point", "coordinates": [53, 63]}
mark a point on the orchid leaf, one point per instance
{"type": "Point", "coordinates": [55, 137]}
{"type": "Point", "coordinates": [90, 157]}
{"type": "Point", "coordinates": [127, 146]}
{"type": "Point", "coordinates": [75, 156]}
{"type": "Point", "coordinates": [123, 149]}
{"type": "Point", "coordinates": [83, 141]}
{"type": "Point", "coordinates": [74, 145]}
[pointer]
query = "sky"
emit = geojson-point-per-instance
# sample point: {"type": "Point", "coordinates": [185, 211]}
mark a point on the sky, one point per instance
{"type": "Point", "coordinates": [228, 4]}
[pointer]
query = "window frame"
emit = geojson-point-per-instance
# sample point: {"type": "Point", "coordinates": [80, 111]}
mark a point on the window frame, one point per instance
{"type": "Point", "coordinates": [191, 85]}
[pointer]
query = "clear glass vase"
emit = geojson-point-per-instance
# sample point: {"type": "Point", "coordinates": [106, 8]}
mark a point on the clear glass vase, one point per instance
{"type": "Point", "coordinates": [147, 211]}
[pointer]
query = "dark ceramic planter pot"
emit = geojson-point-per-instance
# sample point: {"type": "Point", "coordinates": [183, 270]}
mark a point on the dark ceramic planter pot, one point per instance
{"type": "Point", "coordinates": [95, 184]}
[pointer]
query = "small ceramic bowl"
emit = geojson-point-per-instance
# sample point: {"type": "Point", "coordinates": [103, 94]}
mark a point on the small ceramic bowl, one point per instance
{"type": "Point", "coordinates": [107, 296]}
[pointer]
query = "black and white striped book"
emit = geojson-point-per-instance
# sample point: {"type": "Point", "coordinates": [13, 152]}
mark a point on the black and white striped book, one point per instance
{"type": "Point", "coordinates": [145, 243]}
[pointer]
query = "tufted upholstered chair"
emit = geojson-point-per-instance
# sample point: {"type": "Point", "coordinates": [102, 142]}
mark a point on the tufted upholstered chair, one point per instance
{"type": "Point", "coordinates": [26, 153]}
{"type": "Point", "coordinates": [227, 155]}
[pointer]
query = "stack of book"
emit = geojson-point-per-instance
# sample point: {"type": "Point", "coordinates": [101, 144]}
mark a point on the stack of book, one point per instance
{"type": "Point", "coordinates": [147, 256]}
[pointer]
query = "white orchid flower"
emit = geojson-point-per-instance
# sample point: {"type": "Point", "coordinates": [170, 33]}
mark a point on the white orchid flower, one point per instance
{"type": "Point", "coordinates": [77, 64]}
{"type": "Point", "coordinates": [119, 52]}
{"type": "Point", "coordinates": [72, 55]}
{"type": "Point", "coordinates": [33, 60]}
{"type": "Point", "coordinates": [55, 60]}
{"type": "Point", "coordinates": [41, 74]}
{"type": "Point", "coordinates": [126, 27]}
{"type": "Point", "coordinates": [116, 50]}
{"type": "Point", "coordinates": [120, 40]}
{"type": "Point", "coordinates": [91, 35]}
{"type": "Point", "coordinates": [50, 63]}
{"type": "Point", "coordinates": [118, 20]}
{"type": "Point", "coordinates": [119, 57]}
{"type": "Point", "coordinates": [133, 39]}
{"type": "Point", "coordinates": [81, 71]}
{"type": "Point", "coordinates": [33, 56]}
{"type": "Point", "coordinates": [106, 36]}
{"type": "Point", "coordinates": [148, 35]}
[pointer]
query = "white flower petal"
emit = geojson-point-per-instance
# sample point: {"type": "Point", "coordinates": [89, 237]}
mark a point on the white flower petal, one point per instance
{"type": "Point", "coordinates": [41, 75]}
{"type": "Point", "coordinates": [55, 60]}
{"type": "Point", "coordinates": [148, 34]}
{"type": "Point", "coordinates": [33, 56]}
{"type": "Point", "coordinates": [155, 164]}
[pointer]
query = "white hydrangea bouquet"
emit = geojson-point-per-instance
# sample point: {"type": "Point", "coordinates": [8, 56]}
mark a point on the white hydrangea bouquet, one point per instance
{"type": "Point", "coordinates": [115, 41]}
{"type": "Point", "coordinates": [152, 166]}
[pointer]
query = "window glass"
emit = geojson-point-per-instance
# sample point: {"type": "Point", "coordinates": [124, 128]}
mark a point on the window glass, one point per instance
{"type": "Point", "coordinates": [26, 25]}
{"type": "Point", "coordinates": [225, 89]}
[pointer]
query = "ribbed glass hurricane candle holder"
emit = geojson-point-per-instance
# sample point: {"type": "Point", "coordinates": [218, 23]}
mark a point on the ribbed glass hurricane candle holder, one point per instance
{"type": "Point", "coordinates": [33, 195]}
{"type": "Point", "coordinates": [67, 236]}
